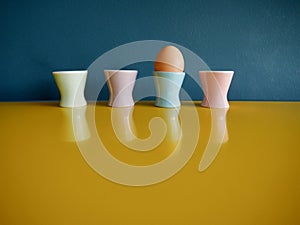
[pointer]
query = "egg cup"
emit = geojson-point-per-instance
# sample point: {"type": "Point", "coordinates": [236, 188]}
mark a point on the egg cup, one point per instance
{"type": "Point", "coordinates": [71, 86]}
{"type": "Point", "coordinates": [120, 84]}
{"type": "Point", "coordinates": [215, 85]}
{"type": "Point", "coordinates": [167, 85]}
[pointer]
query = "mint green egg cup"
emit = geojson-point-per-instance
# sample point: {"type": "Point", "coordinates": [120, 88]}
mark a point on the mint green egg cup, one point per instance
{"type": "Point", "coordinates": [167, 85]}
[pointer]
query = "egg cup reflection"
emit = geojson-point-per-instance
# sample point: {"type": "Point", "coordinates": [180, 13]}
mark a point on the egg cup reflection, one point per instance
{"type": "Point", "coordinates": [74, 124]}
{"type": "Point", "coordinates": [123, 124]}
{"type": "Point", "coordinates": [174, 132]}
{"type": "Point", "coordinates": [119, 164]}
{"type": "Point", "coordinates": [164, 127]}
{"type": "Point", "coordinates": [218, 136]}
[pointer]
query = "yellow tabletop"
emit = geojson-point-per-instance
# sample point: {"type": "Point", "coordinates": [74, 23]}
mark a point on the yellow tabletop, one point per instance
{"type": "Point", "coordinates": [149, 165]}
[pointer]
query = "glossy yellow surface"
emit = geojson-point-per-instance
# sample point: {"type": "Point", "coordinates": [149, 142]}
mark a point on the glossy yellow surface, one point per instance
{"type": "Point", "coordinates": [252, 178]}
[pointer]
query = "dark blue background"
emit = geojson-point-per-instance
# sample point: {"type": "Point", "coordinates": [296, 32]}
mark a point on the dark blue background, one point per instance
{"type": "Point", "coordinates": [258, 39]}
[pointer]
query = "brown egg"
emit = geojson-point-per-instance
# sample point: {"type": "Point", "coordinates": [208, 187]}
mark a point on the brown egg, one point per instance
{"type": "Point", "coordinates": [169, 59]}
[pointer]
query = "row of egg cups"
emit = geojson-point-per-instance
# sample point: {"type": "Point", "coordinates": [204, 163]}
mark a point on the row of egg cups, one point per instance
{"type": "Point", "coordinates": [215, 85]}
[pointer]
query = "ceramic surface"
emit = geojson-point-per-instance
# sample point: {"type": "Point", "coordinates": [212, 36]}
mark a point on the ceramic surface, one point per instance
{"type": "Point", "coordinates": [167, 85]}
{"type": "Point", "coordinates": [71, 86]}
{"type": "Point", "coordinates": [215, 85]}
{"type": "Point", "coordinates": [120, 84]}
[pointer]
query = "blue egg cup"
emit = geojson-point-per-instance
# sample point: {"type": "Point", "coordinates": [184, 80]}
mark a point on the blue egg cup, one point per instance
{"type": "Point", "coordinates": [167, 85]}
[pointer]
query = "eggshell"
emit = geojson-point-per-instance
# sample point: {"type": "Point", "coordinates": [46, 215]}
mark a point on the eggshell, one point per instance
{"type": "Point", "coordinates": [169, 59]}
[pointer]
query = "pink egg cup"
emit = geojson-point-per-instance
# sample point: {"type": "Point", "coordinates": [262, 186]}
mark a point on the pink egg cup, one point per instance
{"type": "Point", "coordinates": [215, 85]}
{"type": "Point", "coordinates": [120, 84]}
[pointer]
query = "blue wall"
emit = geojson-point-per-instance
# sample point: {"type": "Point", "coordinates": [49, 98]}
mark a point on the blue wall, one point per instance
{"type": "Point", "coordinates": [260, 40]}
